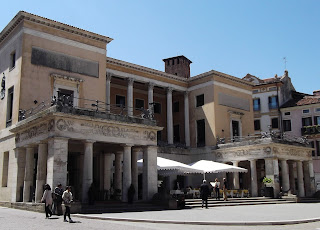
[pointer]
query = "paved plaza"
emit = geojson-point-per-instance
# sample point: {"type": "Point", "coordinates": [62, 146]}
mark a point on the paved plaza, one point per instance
{"type": "Point", "coordinates": [19, 219]}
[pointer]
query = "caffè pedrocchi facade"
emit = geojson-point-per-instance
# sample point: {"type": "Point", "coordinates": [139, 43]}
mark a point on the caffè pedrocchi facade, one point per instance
{"type": "Point", "coordinates": [71, 115]}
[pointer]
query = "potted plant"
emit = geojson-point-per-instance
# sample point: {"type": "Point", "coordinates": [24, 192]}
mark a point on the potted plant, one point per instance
{"type": "Point", "coordinates": [268, 189]}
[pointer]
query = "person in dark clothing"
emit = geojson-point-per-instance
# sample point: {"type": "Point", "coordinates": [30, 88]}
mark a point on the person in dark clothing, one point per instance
{"type": "Point", "coordinates": [91, 194]}
{"type": "Point", "coordinates": [204, 192]}
{"type": "Point", "coordinates": [225, 187]}
{"type": "Point", "coordinates": [131, 192]}
{"type": "Point", "coordinates": [57, 200]}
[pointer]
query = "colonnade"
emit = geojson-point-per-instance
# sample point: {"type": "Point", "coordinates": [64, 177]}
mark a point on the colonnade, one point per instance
{"type": "Point", "coordinates": [169, 91]}
{"type": "Point", "coordinates": [52, 168]}
{"type": "Point", "coordinates": [304, 171]}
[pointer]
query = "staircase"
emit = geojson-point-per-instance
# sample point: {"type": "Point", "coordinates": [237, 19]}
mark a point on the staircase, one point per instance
{"type": "Point", "coordinates": [197, 203]}
{"type": "Point", "coordinates": [117, 206]}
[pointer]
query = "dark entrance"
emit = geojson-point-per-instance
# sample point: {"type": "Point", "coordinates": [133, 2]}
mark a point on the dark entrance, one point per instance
{"type": "Point", "coordinates": [201, 133]}
{"type": "Point", "coordinates": [235, 129]}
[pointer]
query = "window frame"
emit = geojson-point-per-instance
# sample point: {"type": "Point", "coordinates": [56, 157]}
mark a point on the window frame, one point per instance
{"type": "Point", "coordinates": [199, 104]}
{"type": "Point", "coordinates": [254, 124]}
{"type": "Point", "coordinates": [160, 107]}
{"type": "Point", "coordinates": [10, 102]}
{"type": "Point", "coordinates": [305, 110]}
{"type": "Point", "coordinates": [175, 108]}
{"type": "Point", "coordinates": [13, 58]}
{"type": "Point", "coordinates": [303, 118]}
{"type": "Point", "coordinates": [271, 105]}
{"type": "Point", "coordinates": [284, 126]}
{"type": "Point", "coordinates": [272, 119]}
{"type": "Point", "coordinates": [259, 104]}
{"type": "Point", "coordinates": [135, 103]}
{"type": "Point", "coordinates": [119, 104]}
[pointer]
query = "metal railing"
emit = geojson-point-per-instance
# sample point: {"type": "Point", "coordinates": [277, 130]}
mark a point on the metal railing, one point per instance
{"type": "Point", "coordinates": [89, 107]}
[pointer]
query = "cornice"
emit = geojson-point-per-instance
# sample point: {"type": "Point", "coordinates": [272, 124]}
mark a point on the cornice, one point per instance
{"type": "Point", "coordinates": [144, 69]}
{"type": "Point", "coordinates": [223, 75]}
{"type": "Point", "coordinates": [50, 23]}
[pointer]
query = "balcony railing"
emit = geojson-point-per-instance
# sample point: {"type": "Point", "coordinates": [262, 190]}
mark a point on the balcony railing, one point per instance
{"type": "Point", "coordinates": [310, 130]}
{"type": "Point", "coordinates": [93, 108]}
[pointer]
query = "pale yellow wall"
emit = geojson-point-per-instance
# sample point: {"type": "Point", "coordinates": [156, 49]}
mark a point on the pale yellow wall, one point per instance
{"type": "Point", "coordinates": [36, 80]}
{"type": "Point", "coordinates": [203, 112]}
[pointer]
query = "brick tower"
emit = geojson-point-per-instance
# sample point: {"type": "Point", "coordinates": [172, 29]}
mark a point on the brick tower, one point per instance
{"type": "Point", "coordinates": [179, 65]}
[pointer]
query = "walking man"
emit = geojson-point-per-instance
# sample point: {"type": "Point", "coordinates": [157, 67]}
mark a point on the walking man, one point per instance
{"type": "Point", "coordinates": [204, 192]}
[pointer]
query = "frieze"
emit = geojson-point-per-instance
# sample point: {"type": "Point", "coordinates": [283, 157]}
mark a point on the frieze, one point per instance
{"type": "Point", "coordinates": [32, 132]}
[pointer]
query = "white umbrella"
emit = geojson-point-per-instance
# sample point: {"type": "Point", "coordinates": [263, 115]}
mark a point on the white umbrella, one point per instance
{"type": "Point", "coordinates": [172, 167]}
{"type": "Point", "coordinates": [215, 167]}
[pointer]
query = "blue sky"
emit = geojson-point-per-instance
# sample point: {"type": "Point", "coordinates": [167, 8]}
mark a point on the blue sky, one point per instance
{"type": "Point", "coordinates": [235, 37]}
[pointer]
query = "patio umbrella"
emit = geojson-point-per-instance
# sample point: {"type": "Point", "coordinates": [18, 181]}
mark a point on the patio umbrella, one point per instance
{"type": "Point", "coordinates": [215, 167]}
{"type": "Point", "coordinates": [167, 166]}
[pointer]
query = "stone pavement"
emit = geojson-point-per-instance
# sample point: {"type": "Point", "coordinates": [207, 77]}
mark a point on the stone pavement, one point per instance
{"type": "Point", "coordinates": [275, 214]}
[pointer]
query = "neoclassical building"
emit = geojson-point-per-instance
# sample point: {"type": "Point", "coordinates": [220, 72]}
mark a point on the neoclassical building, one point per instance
{"type": "Point", "coordinates": [71, 115]}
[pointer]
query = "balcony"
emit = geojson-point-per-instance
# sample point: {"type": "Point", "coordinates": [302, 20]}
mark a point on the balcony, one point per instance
{"type": "Point", "coordinates": [310, 130]}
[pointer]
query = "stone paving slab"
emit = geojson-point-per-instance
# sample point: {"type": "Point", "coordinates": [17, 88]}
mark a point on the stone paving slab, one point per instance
{"type": "Point", "coordinates": [275, 214]}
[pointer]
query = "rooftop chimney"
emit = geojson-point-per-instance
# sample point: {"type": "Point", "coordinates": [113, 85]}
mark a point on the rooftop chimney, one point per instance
{"type": "Point", "coordinates": [179, 65]}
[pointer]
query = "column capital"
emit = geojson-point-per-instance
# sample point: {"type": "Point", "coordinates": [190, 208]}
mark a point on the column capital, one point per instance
{"type": "Point", "coordinates": [109, 76]}
{"type": "Point", "coordinates": [253, 160]}
{"type": "Point", "coordinates": [169, 90]}
{"type": "Point", "coordinates": [151, 85]}
{"type": "Point", "coordinates": [130, 81]}
{"type": "Point", "coordinates": [186, 93]}
{"type": "Point", "coordinates": [88, 141]}
{"type": "Point", "coordinates": [137, 149]}
{"type": "Point", "coordinates": [127, 145]}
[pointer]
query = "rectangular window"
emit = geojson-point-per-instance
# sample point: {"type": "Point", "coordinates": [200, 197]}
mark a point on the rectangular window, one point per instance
{"type": "Point", "coordinates": [120, 101]}
{"type": "Point", "coordinates": [5, 169]}
{"type": "Point", "coordinates": [273, 102]}
{"type": "Point", "coordinates": [255, 91]}
{"type": "Point", "coordinates": [273, 88]}
{"type": "Point", "coordinates": [318, 148]}
{"type": "Point", "coordinates": [305, 111]}
{"type": "Point", "coordinates": [139, 104]}
{"type": "Point", "coordinates": [200, 100]}
{"type": "Point", "coordinates": [172, 61]}
{"type": "Point", "coordinates": [201, 133]}
{"type": "Point", "coordinates": [306, 121]}
{"type": "Point", "coordinates": [317, 110]}
{"type": "Point", "coordinates": [176, 134]}
{"type": "Point", "coordinates": [10, 107]}
{"type": "Point", "coordinates": [257, 125]}
{"type": "Point", "coordinates": [256, 104]}
{"type": "Point", "coordinates": [286, 125]}
{"type": "Point", "coordinates": [157, 108]}
{"type": "Point", "coordinates": [275, 123]}
{"type": "Point", "coordinates": [316, 120]}
{"type": "Point", "coordinates": [176, 106]}
{"type": "Point", "coordinates": [66, 96]}
{"type": "Point", "coordinates": [12, 59]}
{"type": "Point", "coordinates": [287, 113]}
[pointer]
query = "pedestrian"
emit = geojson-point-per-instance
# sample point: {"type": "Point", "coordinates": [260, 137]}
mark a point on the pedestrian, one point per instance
{"type": "Point", "coordinates": [67, 199]}
{"type": "Point", "coordinates": [57, 200]}
{"type": "Point", "coordinates": [217, 188]}
{"type": "Point", "coordinates": [225, 187]}
{"type": "Point", "coordinates": [92, 193]}
{"type": "Point", "coordinates": [204, 193]}
{"type": "Point", "coordinates": [47, 199]}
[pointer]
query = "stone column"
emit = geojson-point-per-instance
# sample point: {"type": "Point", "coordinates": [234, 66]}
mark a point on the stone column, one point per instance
{"type": "Point", "coordinates": [272, 171]}
{"type": "Point", "coordinates": [28, 175]}
{"type": "Point", "coordinates": [107, 172]}
{"type": "Point", "coordinates": [127, 180]}
{"type": "Point", "coordinates": [169, 116]}
{"type": "Point", "coordinates": [307, 181]}
{"type": "Point", "coordinates": [18, 171]}
{"type": "Point", "coordinates": [117, 171]}
{"type": "Point", "coordinates": [57, 161]}
{"type": "Point", "coordinates": [254, 184]}
{"type": "Point", "coordinates": [312, 179]}
{"type": "Point", "coordinates": [150, 96]}
{"type": "Point", "coordinates": [285, 175]}
{"type": "Point", "coordinates": [291, 177]}
{"type": "Point", "coordinates": [134, 171]}
{"type": "Point", "coordinates": [108, 92]}
{"type": "Point", "coordinates": [87, 178]}
{"type": "Point", "coordinates": [150, 172]}
{"type": "Point", "coordinates": [300, 179]}
{"type": "Point", "coordinates": [130, 97]}
{"type": "Point", "coordinates": [236, 184]}
{"type": "Point", "coordinates": [41, 171]}
{"type": "Point", "coordinates": [186, 119]}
